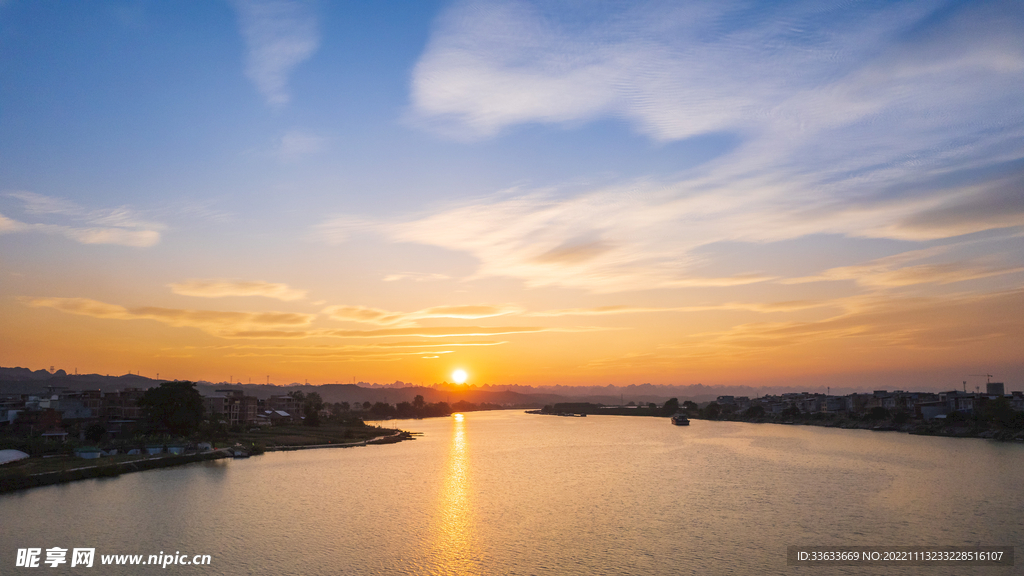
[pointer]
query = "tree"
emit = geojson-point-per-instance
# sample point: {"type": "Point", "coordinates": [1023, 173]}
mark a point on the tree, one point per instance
{"type": "Point", "coordinates": [670, 407]}
{"type": "Point", "coordinates": [176, 406]}
{"type": "Point", "coordinates": [345, 407]}
{"type": "Point", "coordinates": [755, 411]}
{"type": "Point", "coordinates": [311, 407]}
{"type": "Point", "coordinates": [690, 405]}
{"type": "Point", "coordinates": [712, 411]}
{"type": "Point", "coordinates": [95, 432]}
{"type": "Point", "coordinates": [418, 402]}
{"type": "Point", "coordinates": [366, 405]}
{"type": "Point", "coordinates": [877, 413]}
{"type": "Point", "coordinates": [999, 412]}
{"type": "Point", "coordinates": [791, 411]}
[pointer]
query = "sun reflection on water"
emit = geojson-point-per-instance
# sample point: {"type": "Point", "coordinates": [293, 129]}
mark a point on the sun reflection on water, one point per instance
{"type": "Point", "coordinates": [452, 525]}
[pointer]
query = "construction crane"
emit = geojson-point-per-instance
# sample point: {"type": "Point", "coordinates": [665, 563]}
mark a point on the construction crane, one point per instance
{"type": "Point", "coordinates": [988, 377]}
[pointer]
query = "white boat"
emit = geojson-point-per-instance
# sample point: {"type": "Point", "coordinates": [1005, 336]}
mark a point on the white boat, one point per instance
{"type": "Point", "coordinates": [680, 420]}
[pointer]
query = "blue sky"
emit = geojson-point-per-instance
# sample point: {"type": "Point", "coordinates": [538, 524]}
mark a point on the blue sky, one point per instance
{"type": "Point", "coordinates": [661, 191]}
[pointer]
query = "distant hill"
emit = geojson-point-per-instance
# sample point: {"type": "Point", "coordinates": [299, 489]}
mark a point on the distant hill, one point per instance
{"type": "Point", "coordinates": [26, 381]}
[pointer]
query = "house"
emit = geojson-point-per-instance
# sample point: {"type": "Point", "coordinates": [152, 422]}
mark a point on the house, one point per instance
{"type": "Point", "coordinates": [123, 404]}
{"type": "Point", "coordinates": [276, 417]}
{"type": "Point", "coordinates": [835, 404]}
{"type": "Point", "coordinates": [233, 406]}
{"type": "Point", "coordinates": [283, 402]}
{"type": "Point", "coordinates": [931, 410]}
{"type": "Point", "coordinates": [956, 401]}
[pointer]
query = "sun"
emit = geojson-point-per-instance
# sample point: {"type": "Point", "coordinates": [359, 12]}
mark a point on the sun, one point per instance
{"type": "Point", "coordinates": [459, 376]}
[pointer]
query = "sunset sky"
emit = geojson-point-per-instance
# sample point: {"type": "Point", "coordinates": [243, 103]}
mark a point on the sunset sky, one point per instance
{"type": "Point", "coordinates": [794, 193]}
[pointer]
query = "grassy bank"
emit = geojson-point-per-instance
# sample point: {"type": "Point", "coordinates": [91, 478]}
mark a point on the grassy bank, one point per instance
{"type": "Point", "coordinates": [298, 435]}
{"type": "Point", "coordinates": [58, 465]}
{"type": "Point", "coordinates": [33, 472]}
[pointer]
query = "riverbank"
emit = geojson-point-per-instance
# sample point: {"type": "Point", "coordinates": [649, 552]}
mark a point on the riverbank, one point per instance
{"type": "Point", "coordinates": [20, 475]}
{"type": "Point", "coordinates": [389, 439]}
{"type": "Point", "coordinates": [954, 429]}
{"type": "Point", "coordinates": [957, 429]}
{"type": "Point", "coordinates": [59, 469]}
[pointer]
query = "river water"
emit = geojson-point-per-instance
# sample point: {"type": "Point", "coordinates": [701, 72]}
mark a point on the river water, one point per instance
{"type": "Point", "coordinates": [513, 493]}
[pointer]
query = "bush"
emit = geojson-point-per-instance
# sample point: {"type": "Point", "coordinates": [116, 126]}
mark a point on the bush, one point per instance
{"type": "Point", "coordinates": [877, 413]}
{"type": "Point", "coordinates": [95, 432]}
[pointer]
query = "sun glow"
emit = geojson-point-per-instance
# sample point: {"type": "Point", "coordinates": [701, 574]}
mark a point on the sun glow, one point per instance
{"type": "Point", "coordinates": [459, 376]}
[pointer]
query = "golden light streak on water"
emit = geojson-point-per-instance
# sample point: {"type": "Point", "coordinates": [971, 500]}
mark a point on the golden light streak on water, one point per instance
{"type": "Point", "coordinates": [452, 531]}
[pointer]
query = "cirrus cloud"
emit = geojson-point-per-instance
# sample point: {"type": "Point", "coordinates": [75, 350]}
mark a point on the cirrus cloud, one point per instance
{"type": "Point", "coordinates": [385, 317]}
{"type": "Point", "coordinates": [119, 226]}
{"type": "Point", "coordinates": [218, 288]}
{"type": "Point", "coordinates": [896, 121]}
{"type": "Point", "coordinates": [215, 322]}
{"type": "Point", "coordinates": [279, 35]}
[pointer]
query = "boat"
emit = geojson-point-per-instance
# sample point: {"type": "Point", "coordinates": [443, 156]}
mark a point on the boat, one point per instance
{"type": "Point", "coordinates": [680, 420]}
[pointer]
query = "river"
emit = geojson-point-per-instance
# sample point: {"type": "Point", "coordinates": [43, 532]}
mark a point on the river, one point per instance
{"type": "Point", "coordinates": [514, 493]}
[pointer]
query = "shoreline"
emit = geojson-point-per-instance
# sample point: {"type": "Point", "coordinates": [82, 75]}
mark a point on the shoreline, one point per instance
{"type": "Point", "coordinates": [110, 470]}
{"type": "Point", "coordinates": [389, 439]}
{"type": "Point", "coordinates": [967, 430]}
{"type": "Point", "coordinates": [914, 428]}
{"type": "Point", "coordinates": [16, 482]}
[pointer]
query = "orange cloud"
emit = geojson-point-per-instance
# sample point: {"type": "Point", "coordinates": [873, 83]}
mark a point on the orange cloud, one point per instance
{"type": "Point", "coordinates": [386, 317]}
{"type": "Point", "coordinates": [215, 322]}
{"type": "Point", "coordinates": [437, 332]}
{"type": "Point", "coordinates": [787, 306]}
{"type": "Point", "coordinates": [892, 271]}
{"type": "Point", "coordinates": [221, 288]}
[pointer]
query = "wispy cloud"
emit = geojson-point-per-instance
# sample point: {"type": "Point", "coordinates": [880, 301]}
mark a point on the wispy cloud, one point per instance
{"type": "Point", "coordinates": [908, 323]}
{"type": "Point", "coordinates": [345, 347]}
{"type": "Point", "coordinates": [218, 288]}
{"type": "Point", "coordinates": [279, 34]}
{"type": "Point", "coordinates": [121, 226]}
{"type": "Point", "coordinates": [338, 355]}
{"type": "Point", "coordinates": [437, 332]}
{"type": "Point", "coordinates": [296, 143]}
{"type": "Point", "coordinates": [680, 70]}
{"type": "Point", "coordinates": [630, 237]}
{"type": "Point", "coordinates": [896, 121]}
{"type": "Point", "coordinates": [966, 327]}
{"type": "Point", "coordinates": [896, 271]}
{"type": "Point", "coordinates": [385, 317]}
{"type": "Point", "coordinates": [764, 307]}
{"type": "Point", "coordinates": [216, 322]}
{"type": "Point", "coordinates": [416, 277]}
